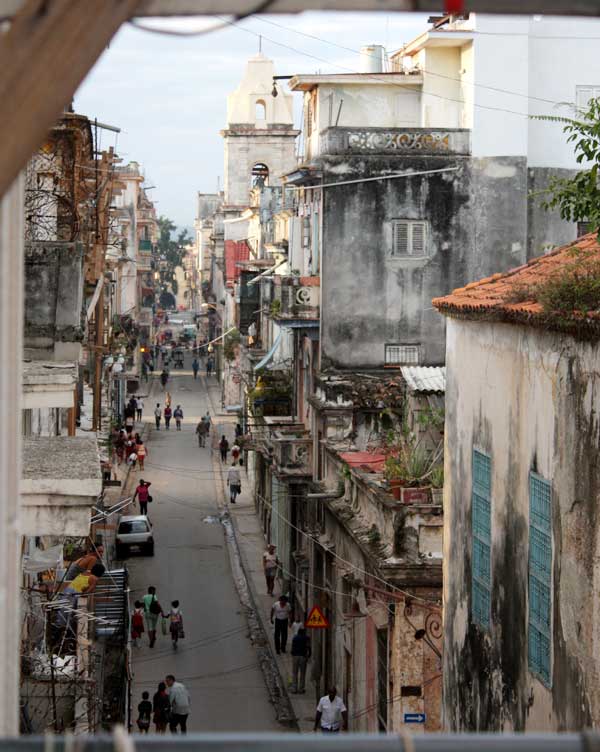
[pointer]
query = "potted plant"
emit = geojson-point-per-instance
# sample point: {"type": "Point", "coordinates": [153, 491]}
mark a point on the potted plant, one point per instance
{"type": "Point", "coordinates": [409, 466]}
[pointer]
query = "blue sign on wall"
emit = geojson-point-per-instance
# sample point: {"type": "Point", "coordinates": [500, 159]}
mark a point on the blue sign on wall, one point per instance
{"type": "Point", "coordinates": [414, 717]}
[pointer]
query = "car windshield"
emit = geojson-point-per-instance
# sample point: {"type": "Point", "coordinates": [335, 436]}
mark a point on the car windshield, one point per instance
{"type": "Point", "coordinates": [134, 526]}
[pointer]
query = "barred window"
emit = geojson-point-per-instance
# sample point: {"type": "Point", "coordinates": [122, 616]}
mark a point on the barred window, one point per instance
{"type": "Point", "coordinates": [402, 355]}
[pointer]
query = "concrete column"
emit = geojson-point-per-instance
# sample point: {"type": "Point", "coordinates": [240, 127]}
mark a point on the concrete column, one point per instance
{"type": "Point", "coordinates": [11, 358]}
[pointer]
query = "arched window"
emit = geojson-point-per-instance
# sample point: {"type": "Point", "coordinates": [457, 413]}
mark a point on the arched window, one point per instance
{"type": "Point", "coordinates": [261, 110]}
{"type": "Point", "coordinates": [259, 175]}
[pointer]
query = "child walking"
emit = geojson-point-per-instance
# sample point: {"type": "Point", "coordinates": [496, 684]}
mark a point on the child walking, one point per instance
{"type": "Point", "coordinates": [176, 624]}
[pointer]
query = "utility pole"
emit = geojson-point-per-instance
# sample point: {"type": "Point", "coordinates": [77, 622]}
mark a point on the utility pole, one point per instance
{"type": "Point", "coordinates": [98, 351]}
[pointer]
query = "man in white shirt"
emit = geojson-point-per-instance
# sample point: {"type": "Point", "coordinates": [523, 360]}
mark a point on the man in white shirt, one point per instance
{"type": "Point", "coordinates": [234, 481]}
{"type": "Point", "coordinates": [180, 704]}
{"type": "Point", "coordinates": [270, 565]}
{"type": "Point", "coordinates": [280, 616]}
{"type": "Point", "coordinates": [331, 713]}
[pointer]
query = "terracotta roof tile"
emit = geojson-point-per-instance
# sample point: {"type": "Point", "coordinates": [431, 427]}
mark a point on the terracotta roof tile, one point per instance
{"type": "Point", "coordinates": [492, 297]}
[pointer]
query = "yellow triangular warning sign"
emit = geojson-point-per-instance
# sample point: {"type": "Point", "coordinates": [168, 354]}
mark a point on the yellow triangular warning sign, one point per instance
{"type": "Point", "coordinates": [316, 619]}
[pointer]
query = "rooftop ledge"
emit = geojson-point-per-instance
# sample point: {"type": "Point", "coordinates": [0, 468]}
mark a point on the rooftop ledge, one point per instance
{"type": "Point", "coordinates": [61, 481]}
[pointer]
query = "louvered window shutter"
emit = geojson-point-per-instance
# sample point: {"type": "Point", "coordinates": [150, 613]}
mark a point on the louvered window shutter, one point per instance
{"type": "Point", "coordinates": [400, 239]}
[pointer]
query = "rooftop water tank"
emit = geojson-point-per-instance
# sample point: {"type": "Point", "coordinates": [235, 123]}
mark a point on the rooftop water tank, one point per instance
{"type": "Point", "coordinates": [372, 58]}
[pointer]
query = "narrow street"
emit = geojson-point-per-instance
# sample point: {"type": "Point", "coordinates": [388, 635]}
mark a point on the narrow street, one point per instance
{"type": "Point", "coordinates": [216, 660]}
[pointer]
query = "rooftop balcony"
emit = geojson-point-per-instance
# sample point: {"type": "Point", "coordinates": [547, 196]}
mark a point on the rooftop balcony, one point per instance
{"type": "Point", "coordinates": [410, 141]}
{"type": "Point", "coordinates": [296, 299]}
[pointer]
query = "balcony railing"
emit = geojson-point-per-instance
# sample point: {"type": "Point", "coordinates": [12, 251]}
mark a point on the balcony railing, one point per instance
{"type": "Point", "coordinates": [409, 141]}
{"type": "Point", "coordinates": [145, 246]}
{"type": "Point", "coordinates": [295, 298]}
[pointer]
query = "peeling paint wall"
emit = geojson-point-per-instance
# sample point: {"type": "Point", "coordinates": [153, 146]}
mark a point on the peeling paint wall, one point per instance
{"type": "Point", "coordinates": [530, 400]}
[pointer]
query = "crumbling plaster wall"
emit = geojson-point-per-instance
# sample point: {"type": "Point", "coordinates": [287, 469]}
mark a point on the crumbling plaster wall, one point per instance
{"type": "Point", "coordinates": [528, 398]}
{"type": "Point", "coordinates": [53, 298]}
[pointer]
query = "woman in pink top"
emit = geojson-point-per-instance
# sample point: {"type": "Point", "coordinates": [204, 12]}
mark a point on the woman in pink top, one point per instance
{"type": "Point", "coordinates": [142, 494]}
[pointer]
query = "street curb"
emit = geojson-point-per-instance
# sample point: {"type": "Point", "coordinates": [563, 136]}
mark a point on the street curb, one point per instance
{"type": "Point", "coordinates": [274, 681]}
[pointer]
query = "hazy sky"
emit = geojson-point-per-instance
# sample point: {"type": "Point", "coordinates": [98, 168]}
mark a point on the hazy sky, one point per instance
{"type": "Point", "coordinates": [168, 93]}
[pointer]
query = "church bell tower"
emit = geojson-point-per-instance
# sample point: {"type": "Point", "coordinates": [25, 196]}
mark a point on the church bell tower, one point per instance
{"type": "Point", "coordinates": [260, 136]}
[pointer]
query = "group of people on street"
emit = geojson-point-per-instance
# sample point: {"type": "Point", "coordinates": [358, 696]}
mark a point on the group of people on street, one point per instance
{"type": "Point", "coordinates": [168, 413]}
{"type": "Point", "coordinates": [146, 615]}
{"type": "Point", "coordinates": [127, 448]}
{"type": "Point", "coordinates": [170, 706]}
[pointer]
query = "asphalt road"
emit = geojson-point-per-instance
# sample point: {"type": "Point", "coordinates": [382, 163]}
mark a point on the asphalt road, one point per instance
{"type": "Point", "coordinates": [216, 660]}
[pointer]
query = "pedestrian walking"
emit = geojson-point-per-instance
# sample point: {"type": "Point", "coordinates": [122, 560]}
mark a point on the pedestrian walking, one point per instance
{"type": "Point", "coordinates": [234, 481]}
{"type": "Point", "coordinates": [142, 494]}
{"type": "Point", "coordinates": [120, 447]}
{"type": "Point", "coordinates": [167, 413]}
{"type": "Point", "coordinates": [300, 655]}
{"type": "Point", "coordinates": [164, 377]}
{"type": "Point", "coordinates": [280, 616]}
{"type": "Point", "coordinates": [238, 432]}
{"type": "Point", "coordinates": [224, 448]}
{"type": "Point", "coordinates": [235, 453]}
{"type": "Point", "coordinates": [129, 422]}
{"type": "Point", "coordinates": [195, 367]}
{"type": "Point", "coordinates": [162, 708]}
{"type": "Point", "coordinates": [137, 623]}
{"type": "Point", "coordinates": [208, 422]}
{"type": "Point", "coordinates": [152, 610]}
{"type": "Point", "coordinates": [157, 416]}
{"type": "Point", "coordinates": [142, 453]}
{"type": "Point", "coordinates": [144, 713]}
{"type": "Point", "coordinates": [180, 704]}
{"type": "Point", "coordinates": [175, 624]}
{"type": "Point", "coordinates": [178, 415]}
{"type": "Point", "coordinates": [139, 409]}
{"type": "Point", "coordinates": [270, 565]}
{"type": "Point", "coordinates": [201, 430]}
{"type": "Point", "coordinates": [331, 713]}
{"type": "Point", "coordinates": [132, 456]}
{"type": "Point", "coordinates": [209, 365]}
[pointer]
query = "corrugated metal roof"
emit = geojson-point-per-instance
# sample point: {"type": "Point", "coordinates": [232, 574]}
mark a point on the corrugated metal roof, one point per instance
{"type": "Point", "coordinates": [111, 605]}
{"type": "Point", "coordinates": [425, 379]}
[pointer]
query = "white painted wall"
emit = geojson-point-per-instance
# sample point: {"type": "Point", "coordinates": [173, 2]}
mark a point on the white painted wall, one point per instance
{"type": "Point", "coordinates": [368, 105]}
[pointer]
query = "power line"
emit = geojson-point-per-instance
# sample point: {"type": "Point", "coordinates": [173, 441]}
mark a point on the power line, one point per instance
{"type": "Point", "coordinates": [381, 79]}
{"type": "Point", "coordinates": [423, 70]}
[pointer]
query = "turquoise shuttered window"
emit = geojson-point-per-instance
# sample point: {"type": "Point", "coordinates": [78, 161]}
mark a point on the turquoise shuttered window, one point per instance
{"type": "Point", "coordinates": [481, 522]}
{"type": "Point", "coordinates": [540, 577]}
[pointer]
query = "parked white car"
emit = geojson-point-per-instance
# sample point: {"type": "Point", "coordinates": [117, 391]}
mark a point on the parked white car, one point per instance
{"type": "Point", "coordinates": [134, 531]}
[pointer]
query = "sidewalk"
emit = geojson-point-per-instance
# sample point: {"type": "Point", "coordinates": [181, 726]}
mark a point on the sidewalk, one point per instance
{"type": "Point", "coordinates": [251, 544]}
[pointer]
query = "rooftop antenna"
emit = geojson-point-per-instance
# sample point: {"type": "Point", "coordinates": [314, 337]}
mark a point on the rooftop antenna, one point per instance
{"type": "Point", "coordinates": [259, 44]}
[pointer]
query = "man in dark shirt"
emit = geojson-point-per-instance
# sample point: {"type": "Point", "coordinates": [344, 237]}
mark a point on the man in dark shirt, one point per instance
{"type": "Point", "coordinates": [300, 655]}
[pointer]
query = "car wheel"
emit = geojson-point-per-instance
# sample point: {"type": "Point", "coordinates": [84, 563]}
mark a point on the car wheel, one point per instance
{"type": "Point", "coordinates": [150, 548]}
{"type": "Point", "coordinates": [121, 551]}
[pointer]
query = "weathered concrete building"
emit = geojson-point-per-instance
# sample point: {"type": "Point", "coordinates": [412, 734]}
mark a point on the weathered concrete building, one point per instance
{"type": "Point", "coordinates": [414, 181]}
{"type": "Point", "coordinates": [521, 496]}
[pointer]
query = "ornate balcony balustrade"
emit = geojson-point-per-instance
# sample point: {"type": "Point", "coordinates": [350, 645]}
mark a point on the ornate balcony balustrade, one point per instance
{"type": "Point", "coordinates": [411, 141]}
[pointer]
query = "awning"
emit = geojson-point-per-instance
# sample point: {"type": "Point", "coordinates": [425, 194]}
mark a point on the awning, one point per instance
{"type": "Point", "coordinates": [266, 273]}
{"type": "Point", "coordinates": [262, 363]}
